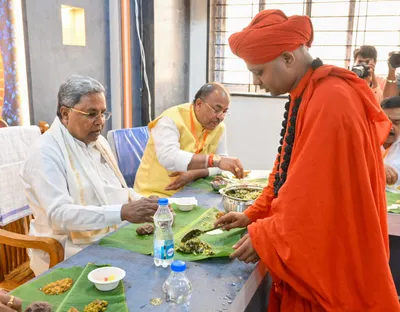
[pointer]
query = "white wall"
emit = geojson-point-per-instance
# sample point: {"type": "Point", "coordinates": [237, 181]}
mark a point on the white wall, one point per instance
{"type": "Point", "coordinates": [198, 46]}
{"type": "Point", "coordinates": [253, 130]}
{"type": "Point", "coordinates": [171, 53]}
{"type": "Point", "coordinates": [255, 122]}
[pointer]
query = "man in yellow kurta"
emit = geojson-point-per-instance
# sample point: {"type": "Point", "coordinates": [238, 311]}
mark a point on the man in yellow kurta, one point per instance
{"type": "Point", "coordinates": [187, 142]}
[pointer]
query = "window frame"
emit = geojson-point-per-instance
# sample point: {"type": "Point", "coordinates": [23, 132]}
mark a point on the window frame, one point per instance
{"type": "Point", "coordinates": [249, 90]}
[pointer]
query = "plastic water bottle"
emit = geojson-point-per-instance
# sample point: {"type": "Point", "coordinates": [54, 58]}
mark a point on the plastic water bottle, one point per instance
{"type": "Point", "coordinates": [177, 288]}
{"type": "Point", "coordinates": [163, 236]}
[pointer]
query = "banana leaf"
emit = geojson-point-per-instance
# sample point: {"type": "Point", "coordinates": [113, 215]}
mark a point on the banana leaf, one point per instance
{"type": "Point", "coordinates": [81, 293]}
{"type": "Point", "coordinates": [198, 218]}
{"type": "Point", "coordinates": [392, 198]}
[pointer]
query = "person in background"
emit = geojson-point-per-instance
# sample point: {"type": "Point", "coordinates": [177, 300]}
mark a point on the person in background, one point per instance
{"type": "Point", "coordinates": [391, 147]}
{"type": "Point", "coordinates": [381, 87]}
{"type": "Point", "coordinates": [398, 82]}
{"type": "Point", "coordinates": [71, 178]}
{"type": "Point", "coordinates": [187, 142]}
{"type": "Point", "coordinates": [327, 189]}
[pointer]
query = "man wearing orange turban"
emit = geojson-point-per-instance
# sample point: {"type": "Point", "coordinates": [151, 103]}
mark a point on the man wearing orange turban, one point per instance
{"type": "Point", "coordinates": [320, 225]}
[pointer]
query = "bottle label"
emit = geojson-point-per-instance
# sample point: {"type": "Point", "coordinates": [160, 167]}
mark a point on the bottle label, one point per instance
{"type": "Point", "coordinates": [163, 249]}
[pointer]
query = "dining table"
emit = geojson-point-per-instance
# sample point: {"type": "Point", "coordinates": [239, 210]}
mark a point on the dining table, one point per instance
{"type": "Point", "coordinates": [219, 284]}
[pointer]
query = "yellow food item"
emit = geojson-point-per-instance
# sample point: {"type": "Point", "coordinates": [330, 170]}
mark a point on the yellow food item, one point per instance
{"type": "Point", "coordinates": [397, 201]}
{"type": "Point", "coordinates": [58, 287]}
{"type": "Point", "coordinates": [220, 214]}
{"type": "Point", "coordinates": [73, 310]}
{"type": "Point", "coordinates": [156, 301]}
{"type": "Point", "coordinates": [96, 306]}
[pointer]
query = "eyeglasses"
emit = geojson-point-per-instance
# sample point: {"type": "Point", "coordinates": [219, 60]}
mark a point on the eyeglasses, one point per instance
{"type": "Point", "coordinates": [94, 115]}
{"type": "Point", "coordinates": [217, 112]}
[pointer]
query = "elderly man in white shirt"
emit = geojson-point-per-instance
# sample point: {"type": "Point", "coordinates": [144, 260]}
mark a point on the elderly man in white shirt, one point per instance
{"type": "Point", "coordinates": [391, 147]}
{"type": "Point", "coordinates": [71, 178]}
{"type": "Point", "coordinates": [187, 142]}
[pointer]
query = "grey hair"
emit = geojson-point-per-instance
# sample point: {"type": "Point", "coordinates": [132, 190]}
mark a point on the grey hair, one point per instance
{"type": "Point", "coordinates": [74, 88]}
{"type": "Point", "coordinates": [209, 88]}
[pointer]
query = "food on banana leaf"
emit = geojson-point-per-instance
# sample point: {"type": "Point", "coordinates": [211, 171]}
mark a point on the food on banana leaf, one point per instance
{"type": "Point", "coordinates": [244, 194]}
{"type": "Point", "coordinates": [245, 174]}
{"type": "Point", "coordinates": [218, 183]}
{"type": "Point", "coordinates": [145, 229]}
{"type": "Point", "coordinates": [156, 301]}
{"type": "Point", "coordinates": [220, 214]}
{"type": "Point", "coordinates": [96, 306]}
{"type": "Point", "coordinates": [39, 306]}
{"type": "Point", "coordinates": [207, 225]}
{"type": "Point", "coordinates": [57, 287]}
{"type": "Point", "coordinates": [196, 247]}
{"type": "Point", "coordinates": [73, 310]}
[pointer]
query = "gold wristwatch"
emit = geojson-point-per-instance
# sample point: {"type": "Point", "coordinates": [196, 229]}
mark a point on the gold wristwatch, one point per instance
{"type": "Point", "coordinates": [216, 160]}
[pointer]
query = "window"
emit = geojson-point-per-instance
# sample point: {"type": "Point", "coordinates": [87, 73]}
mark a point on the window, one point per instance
{"type": "Point", "coordinates": [73, 26]}
{"type": "Point", "coordinates": [340, 26]}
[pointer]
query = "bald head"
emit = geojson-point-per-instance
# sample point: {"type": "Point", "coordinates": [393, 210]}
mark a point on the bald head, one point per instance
{"type": "Point", "coordinates": [209, 88]}
{"type": "Point", "coordinates": [211, 103]}
{"type": "Point", "coordinates": [282, 74]}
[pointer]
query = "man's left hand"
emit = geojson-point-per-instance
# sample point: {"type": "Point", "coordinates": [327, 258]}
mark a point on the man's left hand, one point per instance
{"type": "Point", "coordinates": [245, 251]}
{"type": "Point", "coordinates": [372, 75]}
{"type": "Point", "coordinates": [169, 205]}
{"type": "Point", "coordinates": [182, 178]}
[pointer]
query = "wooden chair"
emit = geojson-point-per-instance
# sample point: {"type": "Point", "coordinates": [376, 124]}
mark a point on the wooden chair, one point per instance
{"type": "Point", "coordinates": [14, 261]}
{"type": "Point", "coordinates": [3, 123]}
{"type": "Point", "coordinates": [43, 126]}
{"type": "Point", "coordinates": [15, 215]}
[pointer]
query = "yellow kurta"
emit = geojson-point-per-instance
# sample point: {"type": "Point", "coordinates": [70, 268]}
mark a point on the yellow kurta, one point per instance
{"type": "Point", "coordinates": [152, 178]}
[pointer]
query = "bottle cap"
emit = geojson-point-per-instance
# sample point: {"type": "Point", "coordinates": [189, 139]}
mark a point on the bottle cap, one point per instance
{"type": "Point", "coordinates": [178, 266]}
{"type": "Point", "coordinates": [163, 201]}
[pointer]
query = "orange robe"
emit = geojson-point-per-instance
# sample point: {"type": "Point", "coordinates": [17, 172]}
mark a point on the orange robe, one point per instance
{"type": "Point", "coordinates": [324, 238]}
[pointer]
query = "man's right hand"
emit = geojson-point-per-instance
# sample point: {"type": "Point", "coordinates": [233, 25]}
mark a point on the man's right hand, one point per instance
{"type": "Point", "coordinates": [391, 175]}
{"type": "Point", "coordinates": [140, 211]}
{"type": "Point", "coordinates": [233, 220]}
{"type": "Point", "coordinates": [233, 165]}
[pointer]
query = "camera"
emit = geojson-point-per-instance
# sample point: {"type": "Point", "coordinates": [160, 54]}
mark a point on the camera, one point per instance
{"type": "Point", "coordinates": [361, 70]}
{"type": "Point", "coordinates": [394, 60]}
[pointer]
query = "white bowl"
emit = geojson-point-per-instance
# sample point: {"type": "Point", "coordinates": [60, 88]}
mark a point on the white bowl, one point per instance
{"type": "Point", "coordinates": [185, 207]}
{"type": "Point", "coordinates": [184, 203]}
{"type": "Point", "coordinates": [97, 277]}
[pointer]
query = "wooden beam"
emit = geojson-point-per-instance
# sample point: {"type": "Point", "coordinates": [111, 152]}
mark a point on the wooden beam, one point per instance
{"type": "Point", "coordinates": [126, 62]}
{"type": "Point", "coordinates": [350, 31]}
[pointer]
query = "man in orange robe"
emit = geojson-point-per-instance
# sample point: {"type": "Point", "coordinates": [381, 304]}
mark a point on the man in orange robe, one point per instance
{"type": "Point", "coordinates": [320, 226]}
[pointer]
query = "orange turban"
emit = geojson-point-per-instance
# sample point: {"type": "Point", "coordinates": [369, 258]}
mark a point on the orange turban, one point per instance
{"type": "Point", "coordinates": [269, 34]}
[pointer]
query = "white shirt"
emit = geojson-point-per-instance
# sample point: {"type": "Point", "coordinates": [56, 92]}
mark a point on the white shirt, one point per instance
{"type": "Point", "coordinates": [392, 159]}
{"type": "Point", "coordinates": [45, 184]}
{"type": "Point", "coordinates": [166, 141]}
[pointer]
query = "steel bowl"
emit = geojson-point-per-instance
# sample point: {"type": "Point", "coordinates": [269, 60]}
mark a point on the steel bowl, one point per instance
{"type": "Point", "coordinates": [218, 185]}
{"type": "Point", "coordinates": [231, 203]}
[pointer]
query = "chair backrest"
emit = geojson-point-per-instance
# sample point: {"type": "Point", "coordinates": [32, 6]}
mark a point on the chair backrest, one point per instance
{"type": "Point", "coordinates": [3, 123]}
{"type": "Point", "coordinates": [12, 257]}
{"type": "Point", "coordinates": [14, 144]}
{"type": "Point", "coordinates": [15, 213]}
{"type": "Point", "coordinates": [128, 146]}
